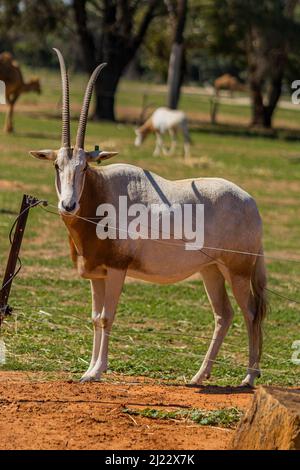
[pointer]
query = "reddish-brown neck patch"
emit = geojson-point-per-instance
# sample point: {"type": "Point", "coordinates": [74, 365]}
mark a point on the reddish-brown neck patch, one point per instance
{"type": "Point", "coordinates": [147, 127]}
{"type": "Point", "coordinates": [92, 195]}
{"type": "Point", "coordinates": [83, 237]}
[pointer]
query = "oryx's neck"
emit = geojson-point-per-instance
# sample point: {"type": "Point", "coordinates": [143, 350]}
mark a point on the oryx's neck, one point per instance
{"type": "Point", "coordinates": [147, 127]}
{"type": "Point", "coordinates": [94, 193]}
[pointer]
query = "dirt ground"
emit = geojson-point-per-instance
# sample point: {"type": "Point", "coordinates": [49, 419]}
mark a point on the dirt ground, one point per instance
{"type": "Point", "coordinates": [36, 413]}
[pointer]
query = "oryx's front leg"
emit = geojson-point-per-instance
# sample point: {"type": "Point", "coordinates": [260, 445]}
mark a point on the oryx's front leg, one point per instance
{"type": "Point", "coordinates": [98, 291]}
{"type": "Point", "coordinates": [113, 288]}
{"type": "Point", "coordinates": [159, 146]}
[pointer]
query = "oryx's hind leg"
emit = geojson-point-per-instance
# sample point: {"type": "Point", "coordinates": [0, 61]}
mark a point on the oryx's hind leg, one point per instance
{"type": "Point", "coordinates": [215, 288]}
{"type": "Point", "coordinates": [186, 140]}
{"type": "Point", "coordinates": [98, 291]}
{"type": "Point", "coordinates": [241, 288]}
{"type": "Point", "coordinates": [172, 133]}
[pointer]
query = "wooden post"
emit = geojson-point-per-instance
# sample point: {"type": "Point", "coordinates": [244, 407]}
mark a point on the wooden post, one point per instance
{"type": "Point", "coordinates": [214, 105]}
{"type": "Point", "coordinates": [5, 309]}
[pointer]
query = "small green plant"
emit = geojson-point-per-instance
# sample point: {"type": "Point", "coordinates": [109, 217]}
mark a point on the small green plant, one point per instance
{"type": "Point", "coordinates": [226, 417]}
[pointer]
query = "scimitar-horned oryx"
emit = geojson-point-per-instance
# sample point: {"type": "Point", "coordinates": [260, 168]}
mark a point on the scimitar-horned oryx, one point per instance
{"type": "Point", "coordinates": [232, 222]}
{"type": "Point", "coordinates": [161, 121]}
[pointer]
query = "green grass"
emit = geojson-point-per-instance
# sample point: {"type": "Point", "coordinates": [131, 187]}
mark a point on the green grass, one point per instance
{"type": "Point", "coordinates": [225, 418]}
{"type": "Point", "coordinates": [160, 331]}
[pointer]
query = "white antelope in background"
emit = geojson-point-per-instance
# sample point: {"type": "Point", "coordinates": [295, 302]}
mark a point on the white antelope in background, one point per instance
{"type": "Point", "coordinates": [161, 121]}
{"type": "Point", "coordinates": [232, 222]}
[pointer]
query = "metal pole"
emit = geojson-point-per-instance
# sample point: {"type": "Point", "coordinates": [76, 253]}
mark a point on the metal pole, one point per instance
{"type": "Point", "coordinates": [5, 309]}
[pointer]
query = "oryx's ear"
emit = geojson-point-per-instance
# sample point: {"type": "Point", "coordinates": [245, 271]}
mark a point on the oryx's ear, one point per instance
{"type": "Point", "coordinates": [44, 154]}
{"type": "Point", "coordinates": [99, 155]}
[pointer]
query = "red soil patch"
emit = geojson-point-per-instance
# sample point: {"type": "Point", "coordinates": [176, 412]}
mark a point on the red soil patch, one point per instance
{"type": "Point", "coordinates": [39, 414]}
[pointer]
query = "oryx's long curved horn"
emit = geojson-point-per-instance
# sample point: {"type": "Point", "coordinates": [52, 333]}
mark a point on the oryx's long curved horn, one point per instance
{"type": "Point", "coordinates": [65, 135]}
{"type": "Point", "coordinates": [85, 106]}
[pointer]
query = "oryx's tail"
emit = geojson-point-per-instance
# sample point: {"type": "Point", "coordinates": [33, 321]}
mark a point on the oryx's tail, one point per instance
{"type": "Point", "coordinates": [258, 285]}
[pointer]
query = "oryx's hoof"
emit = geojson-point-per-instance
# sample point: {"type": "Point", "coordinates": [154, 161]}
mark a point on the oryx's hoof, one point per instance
{"type": "Point", "coordinates": [250, 379]}
{"type": "Point", "coordinates": [89, 378]}
{"type": "Point", "coordinates": [198, 379]}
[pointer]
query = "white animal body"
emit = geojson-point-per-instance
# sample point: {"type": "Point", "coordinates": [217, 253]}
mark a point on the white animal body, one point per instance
{"type": "Point", "coordinates": [232, 222]}
{"type": "Point", "coordinates": [161, 121]}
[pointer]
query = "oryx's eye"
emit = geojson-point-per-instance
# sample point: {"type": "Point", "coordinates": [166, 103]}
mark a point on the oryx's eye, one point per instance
{"type": "Point", "coordinates": [57, 167]}
{"type": "Point", "coordinates": [85, 168]}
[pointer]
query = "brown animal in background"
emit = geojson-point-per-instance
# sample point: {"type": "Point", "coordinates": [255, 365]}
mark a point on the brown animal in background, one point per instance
{"type": "Point", "coordinates": [230, 83]}
{"type": "Point", "coordinates": [15, 85]}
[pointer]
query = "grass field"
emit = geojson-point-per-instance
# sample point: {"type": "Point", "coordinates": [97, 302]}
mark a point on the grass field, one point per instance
{"type": "Point", "coordinates": [161, 332]}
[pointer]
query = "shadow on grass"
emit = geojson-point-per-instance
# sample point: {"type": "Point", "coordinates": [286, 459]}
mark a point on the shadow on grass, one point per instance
{"type": "Point", "coordinates": [8, 212]}
{"type": "Point", "coordinates": [221, 390]}
{"type": "Point", "coordinates": [231, 130]}
{"type": "Point", "coordinates": [196, 126]}
{"type": "Point", "coordinates": [245, 131]}
{"type": "Point", "coordinates": [294, 160]}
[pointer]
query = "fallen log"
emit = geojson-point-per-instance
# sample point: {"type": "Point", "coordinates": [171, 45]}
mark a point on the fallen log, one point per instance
{"type": "Point", "coordinates": [271, 423]}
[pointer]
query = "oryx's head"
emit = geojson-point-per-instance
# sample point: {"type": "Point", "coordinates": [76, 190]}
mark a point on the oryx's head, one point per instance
{"type": "Point", "coordinates": [139, 137]}
{"type": "Point", "coordinates": [70, 162]}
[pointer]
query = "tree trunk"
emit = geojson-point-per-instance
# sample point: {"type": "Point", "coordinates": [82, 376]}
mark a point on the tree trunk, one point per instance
{"type": "Point", "coordinates": [273, 98]}
{"type": "Point", "coordinates": [257, 106]}
{"type": "Point", "coordinates": [175, 75]}
{"type": "Point", "coordinates": [105, 90]}
{"type": "Point", "coordinates": [117, 45]}
{"type": "Point", "coordinates": [176, 64]}
{"type": "Point", "coordinates": [105, 107]}
{"type": "Point", "coordinates": [262, 114]}
{"type": "Point", "coordinates": [265, 68]}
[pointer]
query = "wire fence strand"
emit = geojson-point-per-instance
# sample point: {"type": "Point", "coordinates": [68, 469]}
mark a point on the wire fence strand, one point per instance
{"type": "Point", "coordinates": [241, 252]}
{"type": "Point", "coordinates": [234, 365]}
{"type": "Point", "coordinates": [92, 220]}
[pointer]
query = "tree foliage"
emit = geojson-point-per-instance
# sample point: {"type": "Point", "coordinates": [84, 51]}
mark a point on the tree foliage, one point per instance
{"type": "Point", "coordinates": [254, 38]}
{"type": "Point", "coordinates": [29, 28]}
{"type": "Point", "coordinates": [260, 36]}
{"type": "Point", "coordinates": [112, 31]}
